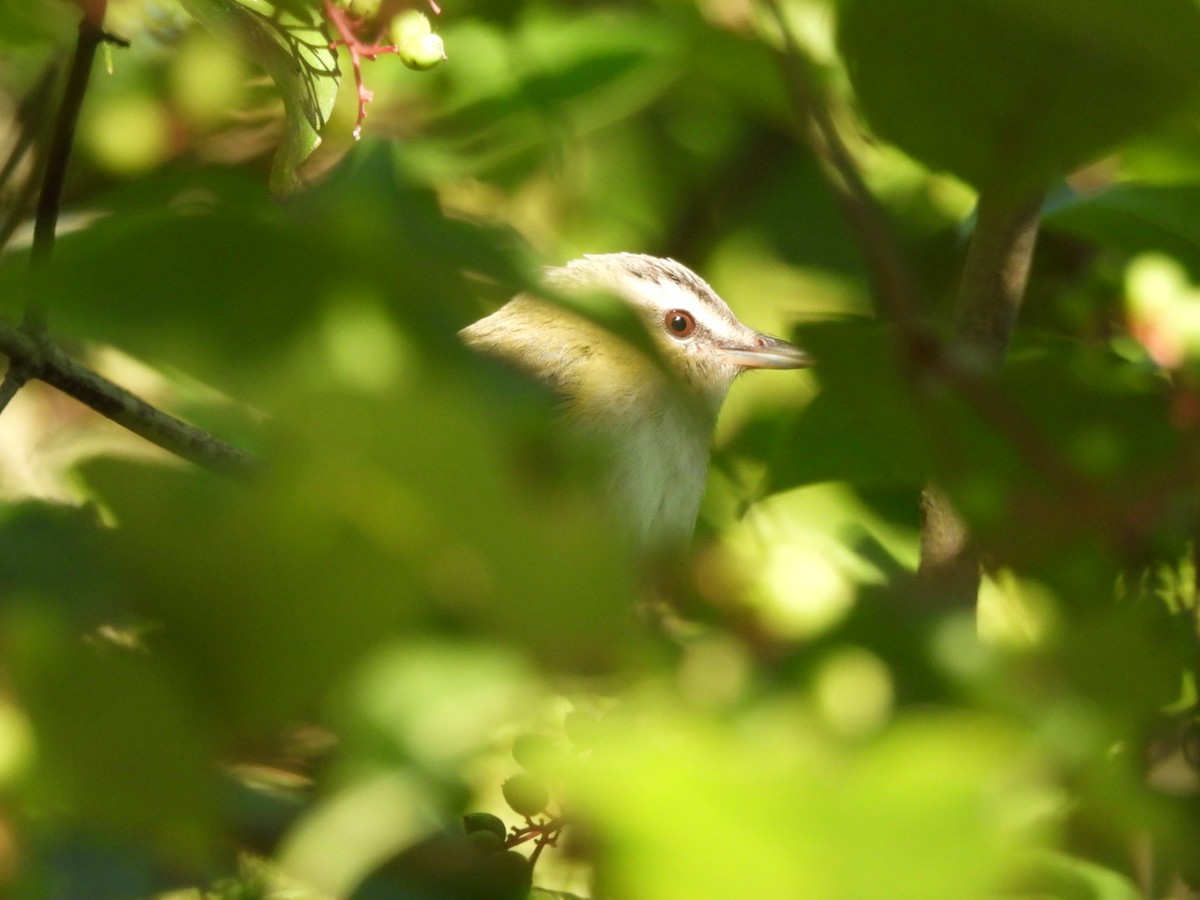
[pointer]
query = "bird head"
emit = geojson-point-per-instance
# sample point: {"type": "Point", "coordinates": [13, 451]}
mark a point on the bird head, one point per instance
{"type": "Point", "coordinates": [697, 336]}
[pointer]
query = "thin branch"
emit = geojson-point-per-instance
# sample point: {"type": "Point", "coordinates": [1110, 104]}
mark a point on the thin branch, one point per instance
{"type": "Point", "coordinates": [346, 26]}
{"type": "Point", "coordinates": [32, 354]}
{"type": "Point", "coordinates": [989, 299]}
{"type": "Point", "coordinates": [27, 114]}
{"type": "Point", "coordinates": [45, 224]}
{"type": "Point", "coordinates": [894, 284]}
{"type": "Point", "coordinates": [996, 272]}
{"type": "Point", "coordinates": [14, 380]}
{"type": "Point", "coordinates": [29, 132]}
{"type": "Point", "coordinates": [40, 358]}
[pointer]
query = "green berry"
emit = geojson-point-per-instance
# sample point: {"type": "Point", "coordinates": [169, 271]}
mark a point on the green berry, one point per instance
{"type": "Point", "coordinates": [485, 842]}
{"type": "Point", "coordinates": [481, 821]}
{"type": "Point", "coordinates": [419, 48]}
{"type": "Point", "coordinates": [582, 728]}
{"type": "Point", "coordinates": [363, 9]}
{"type": "Point", "coordinates": [423, 52]}
{"type": "Point", "coordinates": [510, 873]}
{"type": "Point", "coordinates": [410, 24]}
{"type": "Point", "coordinates": [539, 754]}
{"type": "Point", "coordinates": [525, 795]}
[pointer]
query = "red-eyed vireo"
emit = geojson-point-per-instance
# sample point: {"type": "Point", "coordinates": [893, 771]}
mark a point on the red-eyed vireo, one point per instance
{"type": "Point", "coordinates": [654, 418]}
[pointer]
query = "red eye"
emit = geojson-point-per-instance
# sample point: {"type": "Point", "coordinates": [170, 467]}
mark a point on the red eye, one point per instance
{"type": "Point", "coordinates": [679, 323]}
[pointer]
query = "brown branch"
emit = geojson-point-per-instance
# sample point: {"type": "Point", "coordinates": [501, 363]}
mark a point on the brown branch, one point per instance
{"type": "Point", "coordinates": [40, 358]}
{"type": "Point", "coordinates": [91, 36]}
{"type": "Point", "coordinates": [31, 354]}
{"type": "Point", "coordinates": [29, 133]}
{"type": "Point", "coordinates": [14, 380]}
{"type": "Point", "coordinates": [995, 273]}
{"type": "Point", "coordinates": [894, 285]}
{"type": "Point", "coordinates": [989, 298]}
{"type": "Point", "coordinates": [54, 175]}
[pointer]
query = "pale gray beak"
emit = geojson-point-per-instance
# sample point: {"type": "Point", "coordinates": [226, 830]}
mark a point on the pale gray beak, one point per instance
{"type": "Point", "coordinates": [763, 351]}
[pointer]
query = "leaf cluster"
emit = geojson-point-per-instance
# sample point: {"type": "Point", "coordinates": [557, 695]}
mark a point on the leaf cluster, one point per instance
{"type": "Point", "coordinates": [302, 682]}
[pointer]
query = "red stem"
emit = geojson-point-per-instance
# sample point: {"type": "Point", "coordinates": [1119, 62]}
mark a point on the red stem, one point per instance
{"type": "Point", "coordinates": [358, 51]}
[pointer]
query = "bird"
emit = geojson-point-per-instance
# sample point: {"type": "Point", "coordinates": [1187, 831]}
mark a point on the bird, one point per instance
{"type": "Point", "coordinates": [652, 413]}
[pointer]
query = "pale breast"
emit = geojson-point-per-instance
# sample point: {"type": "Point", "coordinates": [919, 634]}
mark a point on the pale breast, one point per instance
{"type": "Point", "coordinates": [658, 454]}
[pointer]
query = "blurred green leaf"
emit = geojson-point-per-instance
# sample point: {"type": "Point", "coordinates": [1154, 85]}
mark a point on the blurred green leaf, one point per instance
{"type": "Point", "coordinates": [1063, 428]}
{"type": "Point", "coordinates": [208, 275]}
{"type": "Point", "coordinates": [1058, 424]}
{"type": "Point", "coordinates": [172, 284]}
{"type": "Point", "coordinates": [451, 866]}
{"type": "Point", "coordinates": [35, 537]}
{"type": "Point", "coordinates": [938, 807]}
{"type": "Point", "coordinates": [1136, 218]}
{"type": "Point", "coordinates": [422, 562]}
{"type": "Point", "coordinates": [1010, 94]}
{"type": "Point", "coordinates": [292, 46]}
{"type": "Point", "coordinates": [579, 74]}
{"type": "Point", "coordinates": [864, 426]}
{"type": "Point", "coordinates": [435, 703]}
{"type": "Point", "coordinates": [1061, 876]}
{"type": "Point", "coordinates": [120, 744]}
{"type": "Point", "coordinates": [377, 516]}
{"type": "Point", "coordinates": [25, 22]}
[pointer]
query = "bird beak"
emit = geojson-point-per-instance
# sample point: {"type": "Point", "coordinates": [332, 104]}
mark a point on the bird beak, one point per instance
{"type": "Point", "coordinates": [762, 351]}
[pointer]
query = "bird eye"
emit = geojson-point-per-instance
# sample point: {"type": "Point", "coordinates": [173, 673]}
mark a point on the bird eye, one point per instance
{"type": "Point", "coordinates": [679, 323]}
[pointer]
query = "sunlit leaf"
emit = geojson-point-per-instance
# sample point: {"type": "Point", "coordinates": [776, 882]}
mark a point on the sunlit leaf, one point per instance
{"type": "Point", "coordinates": [1058, 875]}
{"type": "Point", "coordinates": [292, 46]}
{"type": "Point", "coordinates": [937, 807]}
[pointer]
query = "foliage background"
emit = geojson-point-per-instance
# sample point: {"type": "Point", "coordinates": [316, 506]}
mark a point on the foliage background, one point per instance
{"type": "Point", "coordinates": [220, 686]}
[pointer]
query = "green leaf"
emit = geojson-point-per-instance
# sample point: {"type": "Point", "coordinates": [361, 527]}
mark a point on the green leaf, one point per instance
{"type": "Point", "coordinates": [36, 22]}
{"type": "Point", "coordinates": [173, 284]}
{"type": "Point", "coordinates": [292, 46]}
{"type": "Point", "coordinates": [510, 102]}
{"type": "Point", "coordinates": [1017, 92]}
{"type": "Point", "coordinates": [1136, 218]}
{"type": "Point", "coordinates": [937, 807]}
{"type": "Point", "coordinates": [205, 273]}
{"type": "Point", "coordinates": [1054, 874]}
{"type": "Point", "coordinates": [863, 427]}
{"type": "Point", "coordinates": [119, 744]}
{"type": "Point", "coordinates": [119, 740]}
{"type": "Point", "coordinates": [380, 514]}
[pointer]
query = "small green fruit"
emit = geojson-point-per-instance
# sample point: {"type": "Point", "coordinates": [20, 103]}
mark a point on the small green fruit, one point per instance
{"type": "Point", "coordinates": [410, 24]}
{"type": "Point", "coordinates": [510, 875]}
{"type": "Point", "coordinates": [525, 794]}
{"type": "Point", "coordinates": [582, 728]}
{"type": "Point", "coordinates": [423, 52]}
{"type": "Point", "coordinates": [418, 46]}
{"type": "Point", "coordinates": [540, 754]}
{"type": "Point", "coordinates": [485, 842]}
{"type": "Point", "coordinates": [481, 821]}
{"type": "Point", "coordinates": [363, 9]}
